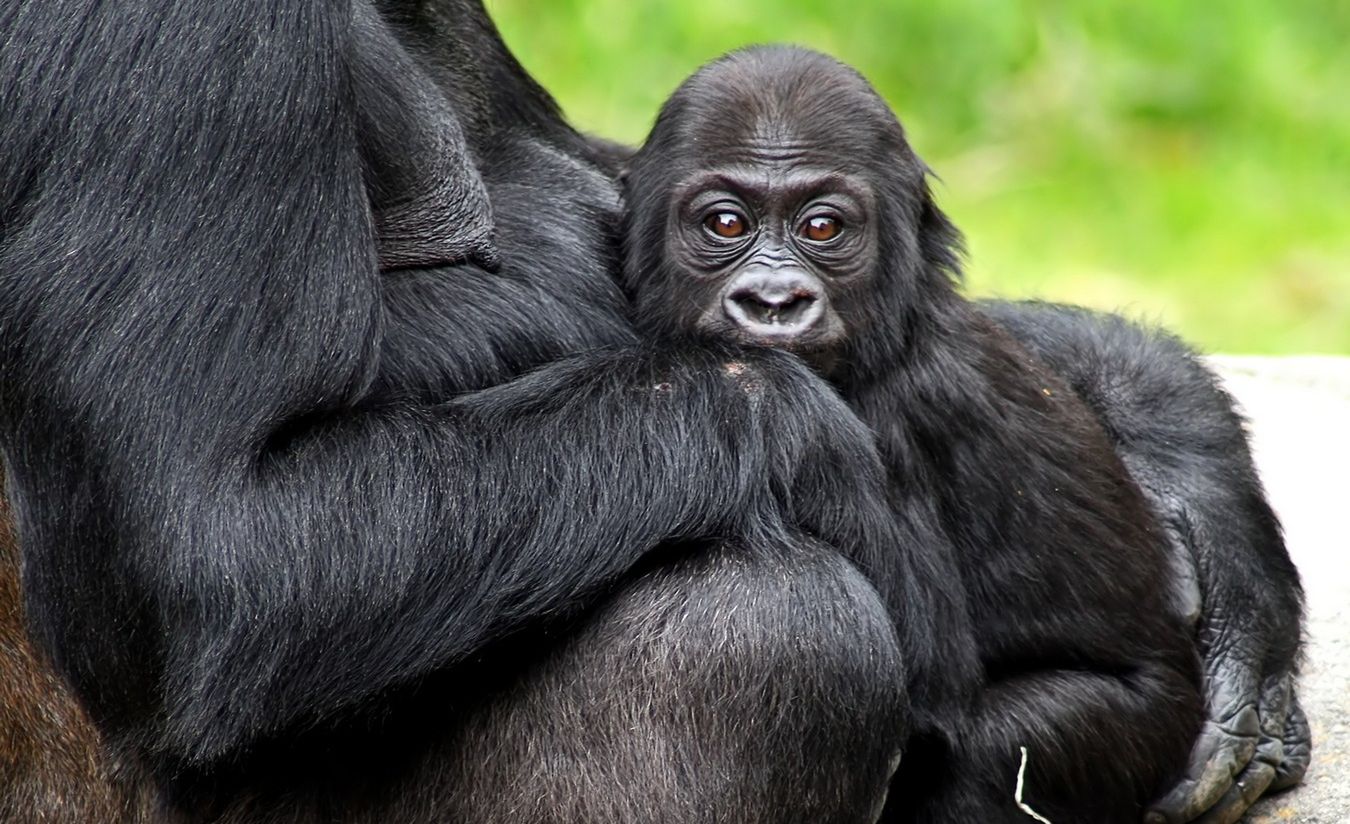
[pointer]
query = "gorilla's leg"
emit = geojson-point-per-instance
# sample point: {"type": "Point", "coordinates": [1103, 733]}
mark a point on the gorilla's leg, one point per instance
{"type": "Point", "coordinates": [745, 685]}
{"type": "Point", "coordinates": [54, 767]}
{"type": "Point", "coordinates": [1177, 431]}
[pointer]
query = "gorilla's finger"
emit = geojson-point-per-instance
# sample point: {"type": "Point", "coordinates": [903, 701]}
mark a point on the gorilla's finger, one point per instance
{"type": "Point", "coordinates": [1260, 774]}
{"type": "Point", "coordinates": [1243, 765]}
{"type": "Point", "coordinates": [1220, 753]}
{"type": "Point", "coordinates": [1277, 693]}
{"type": "Point", "coordinates": [1297, 749]}
{"type": "Point", "coordinates": [1245, 790]}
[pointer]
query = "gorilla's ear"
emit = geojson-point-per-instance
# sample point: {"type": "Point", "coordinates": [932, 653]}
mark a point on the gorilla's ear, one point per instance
{"type": "Point", "coordinates": [940, 242]}
{"type": "Point", "coordinates": [430, 204]}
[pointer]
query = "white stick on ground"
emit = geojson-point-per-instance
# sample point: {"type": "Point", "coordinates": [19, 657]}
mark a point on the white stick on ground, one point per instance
{"type": "Point", "coordinates": [1017, 793]}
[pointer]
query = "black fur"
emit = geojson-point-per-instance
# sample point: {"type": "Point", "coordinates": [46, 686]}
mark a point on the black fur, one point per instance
{"type": "Point", "coordinates": [346, 492]}
{"type": "Point", "coordinates": [319, 528]}
{"type": "Point", "coordinates": [1086, 658]}
{"type": "Point", "coordinates": [1177, 432]}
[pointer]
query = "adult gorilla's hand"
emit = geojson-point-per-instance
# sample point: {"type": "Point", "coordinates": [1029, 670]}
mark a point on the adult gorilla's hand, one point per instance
{"type": "Point", "coordinates": [830, 484]}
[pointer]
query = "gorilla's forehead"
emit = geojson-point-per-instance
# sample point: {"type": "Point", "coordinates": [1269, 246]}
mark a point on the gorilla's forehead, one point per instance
{"type": "Point", "coordinates": [782, 157]}
{"type": "Point", "coordinates": [777, 156]}
{"type": "Point", "coordinates": [779, 175]}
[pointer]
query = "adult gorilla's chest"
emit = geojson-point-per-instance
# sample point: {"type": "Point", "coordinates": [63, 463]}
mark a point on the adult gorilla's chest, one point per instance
{"type": "Point", "coordinates": [455, 329]}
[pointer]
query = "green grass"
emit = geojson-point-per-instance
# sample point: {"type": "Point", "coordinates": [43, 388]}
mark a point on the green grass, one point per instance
{"type": "Point", "coordinates": [1187, 162]}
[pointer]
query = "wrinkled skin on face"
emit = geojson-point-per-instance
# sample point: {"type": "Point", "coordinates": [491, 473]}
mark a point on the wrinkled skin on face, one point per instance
{"type": "Point", "coordinates": [773, 253]}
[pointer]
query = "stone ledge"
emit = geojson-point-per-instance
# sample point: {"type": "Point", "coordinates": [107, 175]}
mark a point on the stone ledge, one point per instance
{"type": "Point", "coordinates": [1298, 411]}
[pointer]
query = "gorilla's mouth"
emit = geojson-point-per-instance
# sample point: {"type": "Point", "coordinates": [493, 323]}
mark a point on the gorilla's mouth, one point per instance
{"type": "Point", "coordinates": [817, 343]}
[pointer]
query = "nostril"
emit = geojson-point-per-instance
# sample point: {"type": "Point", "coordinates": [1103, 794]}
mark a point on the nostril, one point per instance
{"type": "Point", "coordinates": [785, 308]}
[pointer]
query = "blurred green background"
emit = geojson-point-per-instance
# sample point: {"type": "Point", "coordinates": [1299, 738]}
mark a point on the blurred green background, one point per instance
{"type": "Point", "coordinates": [1186, 162]}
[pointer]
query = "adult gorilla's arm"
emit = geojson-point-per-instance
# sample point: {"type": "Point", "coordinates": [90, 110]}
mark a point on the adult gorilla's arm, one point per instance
{"type": "Point", "coordinates": [215, 516]}
{"type": "Point", "coordinates": [1177, 432]}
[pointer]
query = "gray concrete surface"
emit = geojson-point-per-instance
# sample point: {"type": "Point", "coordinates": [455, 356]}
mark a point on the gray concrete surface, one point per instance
{"type": "Point", "coordinates": [1299, 417]}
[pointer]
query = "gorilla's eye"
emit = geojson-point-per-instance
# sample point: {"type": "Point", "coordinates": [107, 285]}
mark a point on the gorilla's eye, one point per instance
{"type": "Point", "coordinates": [820, 228]}
{"type": "Point", "coordinates": [726, 224]}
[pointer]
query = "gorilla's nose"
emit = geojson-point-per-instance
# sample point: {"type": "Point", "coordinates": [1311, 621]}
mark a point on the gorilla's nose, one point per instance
{"type": "Point", "coordinates": [774, 302]}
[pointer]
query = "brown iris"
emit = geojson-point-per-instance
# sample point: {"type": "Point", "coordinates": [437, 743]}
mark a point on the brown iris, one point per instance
{"type": "Point", "coordinates": [726, 224]}
{"type": "Point", "coordinates": [820, 228]}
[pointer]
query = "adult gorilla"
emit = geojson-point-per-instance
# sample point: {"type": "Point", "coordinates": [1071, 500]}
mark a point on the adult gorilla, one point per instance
{"type": "Point", "coordinates": [299, 529]}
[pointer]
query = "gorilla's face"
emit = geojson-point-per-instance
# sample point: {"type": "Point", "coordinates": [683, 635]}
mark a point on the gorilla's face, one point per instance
{"type": "Point", "coordinates": [770, 205]}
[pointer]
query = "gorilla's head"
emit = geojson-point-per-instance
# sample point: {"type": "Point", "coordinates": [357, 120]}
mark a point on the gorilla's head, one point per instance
{"type": "Point", "coordinates": [776, 202]}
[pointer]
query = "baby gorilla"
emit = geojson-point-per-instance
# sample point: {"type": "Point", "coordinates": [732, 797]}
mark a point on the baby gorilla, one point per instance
{"type": "Point", "coordinates": [777, 203]}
